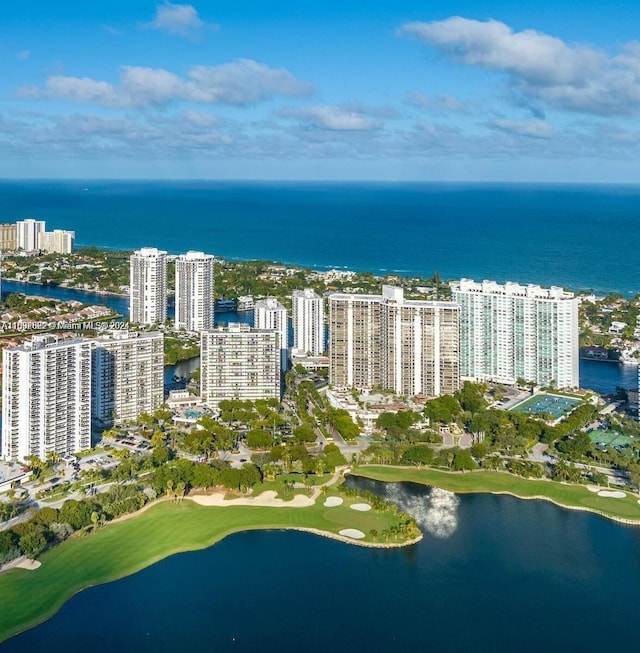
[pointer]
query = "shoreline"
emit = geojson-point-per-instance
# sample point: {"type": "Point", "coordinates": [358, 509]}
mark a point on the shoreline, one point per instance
{"type": "Point", "coordinates": [91, 291]}
{"type": "Point", "coordinates": [498, 492]}
{"type": "Point", "coordinates": [176, 527]}
{"type": "Point", "coordinates": [314, 267]}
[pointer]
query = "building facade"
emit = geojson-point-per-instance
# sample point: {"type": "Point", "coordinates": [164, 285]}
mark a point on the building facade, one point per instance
{"type": "Point", "coordinates": [148, 286]}
{"type": "Point", "coordinates": [510, 332]}
{"type": "Point", "coordinates": [127, 376]}
{"type": "Point", "coordinates": [27, 234]}
{"type": "Point", "coordinates": [308, 322]}
{"type": "Point", "coordinates": [58, 241]}
{"type": "Point", "coordinates": [271, 314]}
{"type": "Point", "coordinates": [46, 397]}
{"type": "Point", "coordinates": [194, 291]}
{"type": "Point", "coordinates": [8, 237]}
{"type": "Point", "coordinates": [409, 347]}
{"type": "Point", "coordinates": [238, 362]}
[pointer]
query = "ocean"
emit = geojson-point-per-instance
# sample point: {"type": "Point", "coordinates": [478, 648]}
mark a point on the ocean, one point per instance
{"type": "Point", "coordinates": [579, 237]}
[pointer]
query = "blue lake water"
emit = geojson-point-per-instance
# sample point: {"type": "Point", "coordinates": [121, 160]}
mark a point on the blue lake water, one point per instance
{"type": "Point", "coordinates": [492, 574]}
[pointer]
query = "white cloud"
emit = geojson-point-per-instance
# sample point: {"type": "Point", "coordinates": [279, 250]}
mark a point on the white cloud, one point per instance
{"type": "Point", "coordinates": [531, 128]}
{"type": "Point", "coordinates": [540, 67]}
{"type": "Point", "coordinates": [333, 118]}
{"type": "Point", "coordinates": [243, 82]}
{"type": "Point", "coordinates": [238, 82]}
{"type": "Point", "coordinates": [23, 55]}
{"type": "Point", "coordinates": [199, 119]}
{"type": "Point", "coordinates": [182, 20]}
{"type": "Point", "coordinates": [442, 103]}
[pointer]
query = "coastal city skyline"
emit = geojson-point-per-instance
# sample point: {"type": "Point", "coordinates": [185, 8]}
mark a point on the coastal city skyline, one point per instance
{"type": "Point", "coordinates": [447, 91]}
{"type": "Point", "coordinates": [233, 434]}
{"type": "Point", "coordinates": [332, 303]}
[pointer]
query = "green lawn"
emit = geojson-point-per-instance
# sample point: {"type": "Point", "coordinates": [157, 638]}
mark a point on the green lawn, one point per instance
{"type": "Point", "coordinates": [117, 550]}
{"type": "Point", "coordinates": [571, 496]}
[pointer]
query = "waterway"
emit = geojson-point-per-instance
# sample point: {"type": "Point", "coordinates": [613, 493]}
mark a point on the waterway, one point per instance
{"type": "Point", "coordinates": [492, 574]}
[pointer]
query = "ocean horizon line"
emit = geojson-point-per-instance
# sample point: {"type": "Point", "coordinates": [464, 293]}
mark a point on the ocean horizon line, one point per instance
{"type": "Point", "coordinates": [332, 182]}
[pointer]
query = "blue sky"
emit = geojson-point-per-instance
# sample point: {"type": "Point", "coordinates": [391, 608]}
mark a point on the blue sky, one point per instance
{"type": "Point", "coordinates": [341, 89]}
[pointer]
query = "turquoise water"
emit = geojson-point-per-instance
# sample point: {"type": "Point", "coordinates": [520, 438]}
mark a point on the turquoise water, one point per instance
{"type": "Point", "coordinates": [573, 236]}
{"type": "Point", "coordinates": [492, 574]}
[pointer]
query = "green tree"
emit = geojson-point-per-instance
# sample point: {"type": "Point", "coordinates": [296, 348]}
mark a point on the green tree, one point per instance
{"type": "Point", "coordinates": [32, 543]}
{"type": "Point", "coordinates": [160, 455]}
{"type": "Point", "coordinates": [76, 513]}
{"type": "Point", "coordinates": [444, 409]}
{"type": "Point", "coordinates": [418, 455]}
{"type": "Point", "coordinates": [462, 461]}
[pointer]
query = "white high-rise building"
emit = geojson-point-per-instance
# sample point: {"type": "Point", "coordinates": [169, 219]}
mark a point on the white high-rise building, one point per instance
{"type": "Point", "coordinates": [308, 322]}
{"type": "Point", "coordinates": [58, 241]}
{"type": "Point", "coordinates": [510, 332]}
{"type": "Point", "coordinates": [27, 234]}
{"type": "Point", "coordinates": [127, 376]}
{"type": "Point", "coordinates": [194, 291]}
{"type": "Point", "coordinates": [271, 314]}
{"type": "Point", "coordinates": [46, 397]}
{"type": "Point", "coordinates": [408, 346]}
{"type": "Point", "coordinates": [238, 362]}
{"type": "Point", "coordinates": [148, 286]}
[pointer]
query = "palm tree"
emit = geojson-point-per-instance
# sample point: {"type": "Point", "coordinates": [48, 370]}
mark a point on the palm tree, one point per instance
{"type": "Point", "coordinates": [563, 469]}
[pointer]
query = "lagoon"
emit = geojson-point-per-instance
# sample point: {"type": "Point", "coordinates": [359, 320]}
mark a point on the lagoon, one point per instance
{"type": "Point", "coordinates": [491, 574]}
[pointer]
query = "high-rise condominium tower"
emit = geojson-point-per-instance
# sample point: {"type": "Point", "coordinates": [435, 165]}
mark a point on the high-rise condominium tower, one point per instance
{"type": "Point", "coordinates": [194, 291]}
{"type": "Point", "coordinates": [28, 232]}
{"type": "Point", "coordinates": [238, 362]}
{"type": "Point", "coordinates": [148, 286]}
{"type": "Point", "coordinates": [510, 332]}
{"type": "Point", "coordinates": [271, 314]}
{"type": "Point", "coordinates": [58, 241]}
{"type": "Point", "coordinates": [127, 376]}
{"type": "Point", "coordinates": [46, 397]}
{"type": "Point", "coordinates": [410, 347]}
{"type": "Point", "coordinates": [308, 322]}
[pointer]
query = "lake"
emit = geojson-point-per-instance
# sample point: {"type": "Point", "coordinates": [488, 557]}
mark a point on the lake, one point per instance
{"type": "Point", "coordinates": [492, 574]}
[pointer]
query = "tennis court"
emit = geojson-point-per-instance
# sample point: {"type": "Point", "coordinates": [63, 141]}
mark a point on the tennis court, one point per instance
{"type": "Point", "coordinates": [610, 438]}
{"type": "Point", "coordinates": [547, 404]}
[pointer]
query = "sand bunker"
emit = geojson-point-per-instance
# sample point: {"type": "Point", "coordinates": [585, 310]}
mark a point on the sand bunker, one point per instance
{"type": "Point", "coordinates": [331, 502]}
{"type": "Point", "coordinates": [352, 532]}
{"type": "Point", "coordinates": [29, 564]}
{"type": "Point", "coordinates": [594, 488]}
{"type": "Point", "coordinates": [361, 507]}
{"type": "Point", "coordinates": [612, 494]}
{"type": "Point", "coordinates": [267, 499]}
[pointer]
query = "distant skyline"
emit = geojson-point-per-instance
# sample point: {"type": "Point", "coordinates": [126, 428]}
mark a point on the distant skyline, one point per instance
{"type": "Point", "coordinates": [338, 90]}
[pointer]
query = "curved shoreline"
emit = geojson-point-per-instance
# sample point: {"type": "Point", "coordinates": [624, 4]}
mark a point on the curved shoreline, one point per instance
{"type": "Point", "coordinates": [361, 471]}
{"type": "Point", "coordinates": [541, 497]}
{"type": "Point", "coordinates": [176, 527]}
{"type": "Point", "coordinates": [348, 540]}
